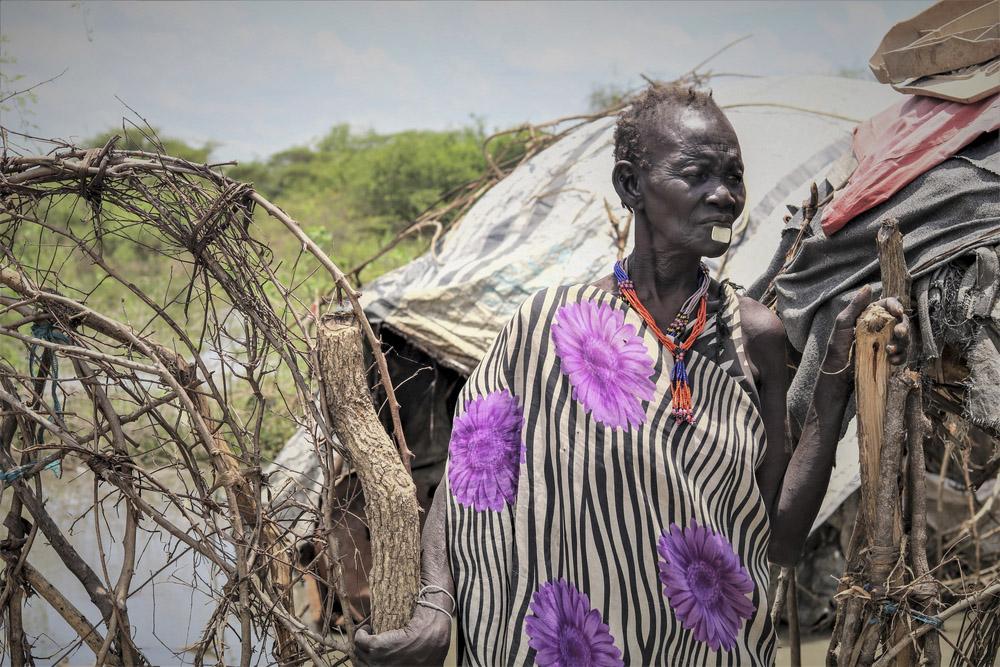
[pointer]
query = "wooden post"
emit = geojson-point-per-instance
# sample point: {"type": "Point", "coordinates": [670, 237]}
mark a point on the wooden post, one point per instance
{"type": "Point", "coordinates": [390, 494]}
{"type": "Point", "coordinates": [794, 633]}
{"type": "Point", "coordinates": [872, 335]}
{"type": "Point", "coordinates": [925, 587]}
{"type": "Point", "coordinates": [883, 398]}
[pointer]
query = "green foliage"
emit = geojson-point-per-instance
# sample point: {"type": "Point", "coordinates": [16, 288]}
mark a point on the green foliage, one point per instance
{"type": "Point", "coordinates": [368, 179]}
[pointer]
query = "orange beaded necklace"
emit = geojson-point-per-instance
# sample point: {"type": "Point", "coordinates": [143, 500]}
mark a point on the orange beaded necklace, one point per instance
{"type": "Point", "coordinates": [681, 407]}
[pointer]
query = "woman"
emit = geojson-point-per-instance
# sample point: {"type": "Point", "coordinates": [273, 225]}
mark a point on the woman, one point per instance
{"type": "Point", "coordinates": [618, 476]}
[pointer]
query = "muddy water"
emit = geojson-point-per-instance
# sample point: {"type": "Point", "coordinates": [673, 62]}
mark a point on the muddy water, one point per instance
{"type": "Point", "coordinates": [168, 611]}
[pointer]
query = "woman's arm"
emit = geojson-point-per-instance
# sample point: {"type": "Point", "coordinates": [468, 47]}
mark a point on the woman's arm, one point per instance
{"type": "Point", "coordinates": [794, 488]}
{"type": "Point", "coordinates": [426, 638]}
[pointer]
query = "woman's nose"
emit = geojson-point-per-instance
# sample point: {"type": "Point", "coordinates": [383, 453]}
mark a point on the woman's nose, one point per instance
{"type": "Point", "coordinates": [722, 197]}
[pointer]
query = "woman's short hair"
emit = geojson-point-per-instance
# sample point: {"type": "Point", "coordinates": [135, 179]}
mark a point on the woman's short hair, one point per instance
{"type": "Point", "coordinates": [649, 105]}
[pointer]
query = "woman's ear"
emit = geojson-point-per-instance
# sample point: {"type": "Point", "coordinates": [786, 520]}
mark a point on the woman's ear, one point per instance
{"type": "Point", "coordinates": [626, 181]}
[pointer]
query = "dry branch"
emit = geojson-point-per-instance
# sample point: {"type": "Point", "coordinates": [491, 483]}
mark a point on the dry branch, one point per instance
{"type": "Point", "coordinates": [391, 506]}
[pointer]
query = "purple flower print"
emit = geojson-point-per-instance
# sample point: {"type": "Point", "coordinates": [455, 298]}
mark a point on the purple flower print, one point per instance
{"type": "Point", "coordinates": [566, 632]}
{"type": "Point", "coordinates": [486, 452]}
{"type": "Point", "coordinates": [607, 363]}
{"type": "Point", "coordinates": [705, 584]}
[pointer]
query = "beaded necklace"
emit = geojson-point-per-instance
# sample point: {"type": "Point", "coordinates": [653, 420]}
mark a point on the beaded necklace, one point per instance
{"type": "Point", "coordinates": [680, 387]}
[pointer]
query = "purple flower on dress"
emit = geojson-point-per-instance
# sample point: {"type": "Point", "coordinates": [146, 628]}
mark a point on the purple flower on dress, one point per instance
{"type": "Point", "coordinates": [705, 584]}
{"type": "Point", "coordinates": [607, 363]}
{"type": "Point", "coordinates": [566, 632]}
{"type": "Point", "coordinates": [486, 451]}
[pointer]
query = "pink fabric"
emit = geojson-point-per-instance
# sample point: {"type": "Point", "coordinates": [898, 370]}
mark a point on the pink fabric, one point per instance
{"type": "Point", "coordinates": [903, 142]}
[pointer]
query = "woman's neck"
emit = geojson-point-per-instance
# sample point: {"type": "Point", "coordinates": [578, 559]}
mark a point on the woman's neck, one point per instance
{"type": "Point", "coordinates": [663, 276]}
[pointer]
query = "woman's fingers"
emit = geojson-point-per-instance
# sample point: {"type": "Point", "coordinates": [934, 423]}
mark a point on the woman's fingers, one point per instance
{"type": "Point", "coordinates": [383, 648]}
{"type": "Point", "coordinates": [900, 341]}
{"type": "Point", "coordinates": [894, 307]}
{"type": "Point", "coordinates": [901, 332]}
{"type": "Point", "coordinates": [849, 315]}
{"type": "Point", "coordinates": [362, 645]}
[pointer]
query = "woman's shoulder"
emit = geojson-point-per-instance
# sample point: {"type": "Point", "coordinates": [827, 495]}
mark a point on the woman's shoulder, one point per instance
{"type": "Point", "coordinates": [549, 299]}
{"type": "Point", "coordinates": [759, 322]}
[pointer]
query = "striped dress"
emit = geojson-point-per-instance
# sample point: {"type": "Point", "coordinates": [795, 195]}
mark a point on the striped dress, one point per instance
{"type": "Point", "coordinates": [584, 525]}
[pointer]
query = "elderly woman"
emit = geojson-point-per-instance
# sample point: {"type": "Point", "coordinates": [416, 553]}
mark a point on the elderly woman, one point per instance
{"type": "Point", "coordinates": [618, 477]}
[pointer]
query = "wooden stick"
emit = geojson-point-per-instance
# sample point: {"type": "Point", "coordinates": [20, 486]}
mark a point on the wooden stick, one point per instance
{"type": "Point", "coordinates": [376, 345]}
{"type": "Point", "coordinates": [926, 588]}
{"type": "Point", "coordinates": [895, 276]}
{"type": "Point", "coordinates": [87, 632]}
{"type": "Point", "coordinates": [780, 595]}
{"type": "Point", "coordinates": [794, 634]}
{"type": "Point", "coordinates": [390, 494]}
{"type": "Point", "coordinates": [872, 335]}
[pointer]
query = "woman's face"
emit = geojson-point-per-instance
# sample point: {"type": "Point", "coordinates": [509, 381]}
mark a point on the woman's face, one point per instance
{"type": "Point", "coordinates": [693, 190]}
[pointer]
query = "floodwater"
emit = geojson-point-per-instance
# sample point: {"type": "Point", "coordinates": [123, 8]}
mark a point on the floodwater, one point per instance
{"type": "Point", "coordinates": [170, 608]}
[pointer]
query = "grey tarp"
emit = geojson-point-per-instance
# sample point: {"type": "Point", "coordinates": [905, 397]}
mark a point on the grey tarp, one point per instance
{"type": "Point", "coordinates": [944, 213]}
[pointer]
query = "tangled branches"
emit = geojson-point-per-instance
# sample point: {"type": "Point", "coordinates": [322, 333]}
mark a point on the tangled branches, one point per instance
{"type": "Point", "coordinates": [166, 395]}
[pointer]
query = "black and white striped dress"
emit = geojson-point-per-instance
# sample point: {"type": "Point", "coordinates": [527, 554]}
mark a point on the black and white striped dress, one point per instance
{"type": "Point", "coordinates": [585, 526]}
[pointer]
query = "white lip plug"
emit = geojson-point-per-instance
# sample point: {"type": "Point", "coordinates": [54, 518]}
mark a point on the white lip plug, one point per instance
{"type": "Point", "coordinates": [722, 234]}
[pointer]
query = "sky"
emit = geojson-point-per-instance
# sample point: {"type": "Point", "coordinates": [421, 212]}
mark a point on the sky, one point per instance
{"type": "Point", "coordinates": [258, 77]}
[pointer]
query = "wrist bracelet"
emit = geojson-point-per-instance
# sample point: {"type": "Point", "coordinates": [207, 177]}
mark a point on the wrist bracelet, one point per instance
{"type": "Point", "coordinates": [431, 605]}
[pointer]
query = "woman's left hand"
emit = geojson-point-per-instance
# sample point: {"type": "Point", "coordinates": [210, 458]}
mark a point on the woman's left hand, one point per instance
{"type": "Point", "coordinates": [838, 352]}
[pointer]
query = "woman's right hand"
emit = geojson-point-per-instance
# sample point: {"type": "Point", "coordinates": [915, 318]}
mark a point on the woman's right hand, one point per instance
{"type": "Point", "coordinates": [424, 640]}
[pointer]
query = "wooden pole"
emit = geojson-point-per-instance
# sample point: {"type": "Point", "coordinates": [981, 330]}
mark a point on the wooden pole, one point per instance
{"type": "Point", "coordinates": [925, 587]}
{"type": "Point", "coordinates": [390, 494]}
{"type": "Point", "coordinates": [794, 633]}
{"type": "Point", "coordinates": [883, 398]}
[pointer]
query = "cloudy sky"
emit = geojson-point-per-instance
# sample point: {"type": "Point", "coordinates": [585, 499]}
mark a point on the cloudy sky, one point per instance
{"type": "Point", "coordinates": [257, 77]}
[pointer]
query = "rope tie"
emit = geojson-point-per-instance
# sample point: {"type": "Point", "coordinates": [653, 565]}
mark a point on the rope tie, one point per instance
{"type": "Point", "coordinates": [47, 331]}
{"type": "Point", "coordinates": [8, 476]}
{"type": "Point", "coordinates": [891, 608]}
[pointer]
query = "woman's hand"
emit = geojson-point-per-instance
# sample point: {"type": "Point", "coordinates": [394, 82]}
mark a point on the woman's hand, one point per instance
{"type": "Point", "coordinates": [808, 474]}
{"type": "Point", "coordinates": [424, 640]}
{"type": "Point", "coordinates": [838, 352]}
